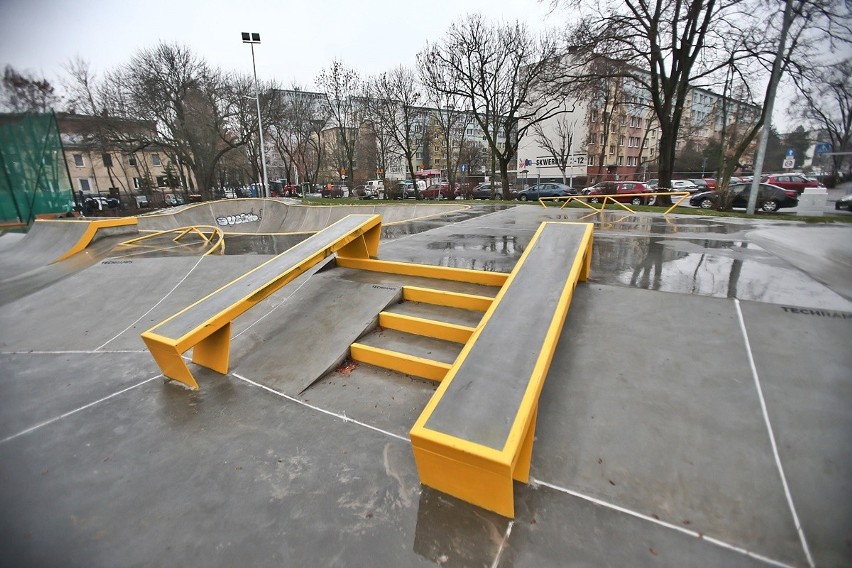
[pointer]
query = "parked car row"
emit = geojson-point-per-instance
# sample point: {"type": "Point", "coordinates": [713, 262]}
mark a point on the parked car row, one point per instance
{"type": "Point", "coordinates": [770, 198]}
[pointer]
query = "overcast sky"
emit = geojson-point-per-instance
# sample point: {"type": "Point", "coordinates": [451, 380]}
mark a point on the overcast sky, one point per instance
{"type": "Point", "coordinates": [299, 38]}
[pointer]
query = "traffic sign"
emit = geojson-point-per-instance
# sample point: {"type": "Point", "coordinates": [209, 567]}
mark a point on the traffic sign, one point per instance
{"type": "Point", "coordinates": [791, 152]}
{"type": "Point", "coordinates": [789, 163]}
{"type": "Point", "coordinates": [463, 168]}
{"type": "Point", "coordinates": [823, 148]}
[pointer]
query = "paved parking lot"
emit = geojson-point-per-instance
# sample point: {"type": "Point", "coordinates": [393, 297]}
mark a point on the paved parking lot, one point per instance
{"type": "Point", "coordinates": [696, 413]}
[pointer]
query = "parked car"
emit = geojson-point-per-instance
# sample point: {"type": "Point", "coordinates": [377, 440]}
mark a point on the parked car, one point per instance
{"type": "Point", "coordinates": [435, 191]}
{"type": "Point", "coordinates": [790, 181]}
{"type": "Point", "coordinates": [770, 198]}
{"type": "Point", "coordinates": [844, 202]}
{"type": "Point", "coordinates": [484, 191]}
{"type": "Point", "coordinates": [711, 183]}
{"type": "Point", "coordinates": [375, 189]}
{"type": "Point", "coordinates": [99, 203]}
{"type": "Point", "coordinates": [684, 185]}
{"type": "Point", "coordinates": [653, 183]}
{"type": "Point", "coordinates": [539, 190]}
{"type": "Point", "coordinates": [621, 191]}
{"type": "Point", "coordinates": [700, 183]}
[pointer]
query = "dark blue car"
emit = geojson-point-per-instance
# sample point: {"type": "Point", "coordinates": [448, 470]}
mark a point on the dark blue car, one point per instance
{"type": "Point", "coordinates": [546, 190]}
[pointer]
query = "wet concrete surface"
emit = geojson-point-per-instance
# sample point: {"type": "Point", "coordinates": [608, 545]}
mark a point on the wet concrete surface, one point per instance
{"type": "Point", "coordinates": [652, 444]}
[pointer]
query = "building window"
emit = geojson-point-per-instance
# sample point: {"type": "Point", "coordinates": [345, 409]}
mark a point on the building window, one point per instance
{"type": "Point", "coordinates": [619, 161]}
{"type": "Point", "coordinates": [603, 140]}
{"type": "Point", "coordinates": [623, 119]}
{"type": "Point", "coordinates": [84, 184]}
{"type": "Point", "coordinates": [107, 160]}
{"type": "Point", "coordinates": [161, 181]}
{"type": "Point", "coordinates": [132, 159]}
{"type": "Point", "coordinates": [594, 116]}
{"type": "Point", "coordinates": [591, 160]}
{"type": "Point", "coordinates": [612, 148]}
{"type": "Point", "coordinates": [155, 159]}
{"type": "Point", "coordinates": [621, 140]}
{"type": "Point", "coordinates": [78, 160]}
{"type": "Point", "coordinates": [136, 183]}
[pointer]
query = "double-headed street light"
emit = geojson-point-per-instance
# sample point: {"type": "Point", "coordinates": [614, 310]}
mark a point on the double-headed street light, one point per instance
{"type": "Point", "coordinates": [251, 39]}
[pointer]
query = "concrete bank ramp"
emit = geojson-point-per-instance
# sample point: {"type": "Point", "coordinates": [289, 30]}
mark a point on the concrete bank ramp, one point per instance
{"type": "Point", "coordinates": [269, 216]}
{"type": "Point", "coordinates": [48, 241]}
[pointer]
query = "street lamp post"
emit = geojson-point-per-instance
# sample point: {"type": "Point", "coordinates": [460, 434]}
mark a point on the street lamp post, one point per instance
{"type": "Point", "coordinates": [251, 39]}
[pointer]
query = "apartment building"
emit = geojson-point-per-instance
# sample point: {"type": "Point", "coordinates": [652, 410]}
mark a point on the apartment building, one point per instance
{"type": "Point", "coordinates": [97, 168]}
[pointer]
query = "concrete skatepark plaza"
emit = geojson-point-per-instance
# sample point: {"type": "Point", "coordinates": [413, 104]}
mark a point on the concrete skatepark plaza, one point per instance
{"type": "Point", "coordinates": [697, 411]}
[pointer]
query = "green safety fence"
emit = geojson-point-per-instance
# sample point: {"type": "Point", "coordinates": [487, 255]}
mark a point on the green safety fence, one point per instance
{"type": "Point", "coordinates": [34, 178]}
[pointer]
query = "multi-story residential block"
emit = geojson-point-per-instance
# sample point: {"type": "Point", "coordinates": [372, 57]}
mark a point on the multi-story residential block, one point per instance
{"type": "Point", "coordinates": [99, 168]}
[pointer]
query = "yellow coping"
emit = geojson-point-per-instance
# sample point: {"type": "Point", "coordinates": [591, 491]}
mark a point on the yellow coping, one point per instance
{"type": "Point", "coordinates": [426, 271]}
{"type": "Point", "coordinates": [210, 340]}
{"type": "Point", "coordinates": [476, 473]}
{"type": "Point", "coordinates": [471, 302]}
{"type": "Point", "coordinates": [401, 362]}
{"type": "Point", "coordinates": [91, 230]}
{"type": "Point", "coordinates": [426, 327]}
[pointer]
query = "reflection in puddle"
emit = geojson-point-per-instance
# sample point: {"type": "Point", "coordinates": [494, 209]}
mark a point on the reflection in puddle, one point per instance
{"type": "Point", "coordinates": [451, 532]}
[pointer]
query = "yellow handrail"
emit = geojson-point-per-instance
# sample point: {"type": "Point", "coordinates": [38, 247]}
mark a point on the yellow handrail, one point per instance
{"type": "Point", "coordinates": [584, 199]}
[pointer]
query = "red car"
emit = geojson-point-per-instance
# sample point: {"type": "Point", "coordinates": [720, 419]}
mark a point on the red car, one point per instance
{"type": "Point", "coordinates": [436, 191]}
{"type": "Point", "coordinates": [621, 191]}
{"type": "Point", "coordinates": [790, 181]}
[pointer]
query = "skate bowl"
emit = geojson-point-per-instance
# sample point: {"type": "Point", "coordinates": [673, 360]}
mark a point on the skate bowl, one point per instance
{"type": "Point", "coordinates": [268, 216]}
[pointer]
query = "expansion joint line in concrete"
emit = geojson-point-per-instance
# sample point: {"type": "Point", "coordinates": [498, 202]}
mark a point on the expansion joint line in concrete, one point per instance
{"type": "Point", "coordinates": [536, 482]}
{"type": "Point", "coordinates": [75, 411]}
{"type": "Point", "coordinates": [152, 308]}
{"type": "Point", "coordinates": [771, 433]}
{"type": "Point", "coordinates": [696, 534]}
{"type": "Point", "coordinates": [321, 410]}
{"type": "Point", "coordinates": [506, 536]}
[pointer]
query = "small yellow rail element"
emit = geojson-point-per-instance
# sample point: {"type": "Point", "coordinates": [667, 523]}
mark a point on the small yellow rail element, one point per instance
{"type": "Point", "coordinates": [197, 230]}
{"type": "Point", "coordinates": [426, 271]}
{"type": "Point", "coordinates": [401, 362]}
{"type": "Point", "coordinates": [426, 327]}
{"type": "Point", "coordinates": [205, 326]}
{"type": "Point", "coordinates": [471, 302]}
{"type": "Point", "coordinates": [606, 198]}
{"type": "Point", "coordinates": [475, 435]}
{"type": "Point", "coordinates": [91, 231]}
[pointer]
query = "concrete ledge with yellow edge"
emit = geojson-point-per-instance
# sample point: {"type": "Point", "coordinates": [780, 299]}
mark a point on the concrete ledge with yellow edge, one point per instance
{"type": "Point", "coordinates": [92, 228]}
{"type": "Point", "coordinates": [475, 435]}
{"type": "Point", "coordinates": [205, 326]}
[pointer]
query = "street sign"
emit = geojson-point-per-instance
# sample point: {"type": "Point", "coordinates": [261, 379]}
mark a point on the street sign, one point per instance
{"type": "Point", "coordinates": [463, 168]}
{"type": "Point", "coordinates": [822, 148]}
{"type": "Point", "coordinates": [789, 163]}
{"type": "Point", "coordinates": [791, 152]}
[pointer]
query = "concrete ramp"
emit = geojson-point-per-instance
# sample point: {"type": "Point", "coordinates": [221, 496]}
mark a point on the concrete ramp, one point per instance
{"type": "Point", "coordinates": [269, 216]}
{"type": "Point", "coordinates": [50, 241]}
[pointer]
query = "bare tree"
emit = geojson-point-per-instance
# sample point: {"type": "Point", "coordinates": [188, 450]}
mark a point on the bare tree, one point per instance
{"type": "Point", "coordinates": [297, 134]}
{"type": "Point", "coordinates": [826, 103]}
{"type": "Point", "coordinates": [381, 129]}
{"type": "Point", "coordinates": [341, 86]}
{"type": "Point", "coordinates": [23, 92]}
{"type": "Point", "coordinates": [449, 114]}
{"type": "Point", "coordinates": [558, 143]}
{"type": "Point", "coordinates": [397, 101]}
{"type": "Point", "coordinates": [501, 72]}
